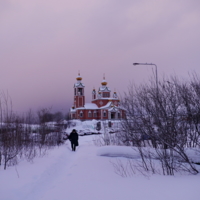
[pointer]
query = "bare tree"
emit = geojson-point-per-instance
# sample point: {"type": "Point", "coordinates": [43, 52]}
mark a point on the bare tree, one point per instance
{"type": "Point", "coordinates": [164, 118]}
{"type": "Point", "coordinates": [17, 140]}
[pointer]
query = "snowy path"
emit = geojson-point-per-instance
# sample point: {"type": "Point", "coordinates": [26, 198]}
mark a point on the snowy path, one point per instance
{"type": "Point", "coordinates": [82, 175]}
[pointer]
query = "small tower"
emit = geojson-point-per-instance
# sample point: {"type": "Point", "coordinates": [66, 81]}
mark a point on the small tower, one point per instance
{"type": "Point", "coordinates": [79, 96]}
{"type": "Point", "coordinates": [93, 94]}
{"type": "Point", "coordinates": [99, 95]}
{"type": "Point", "coordinates": [115, 95]}
{"type": "Point", "coordinates": [104, 90]}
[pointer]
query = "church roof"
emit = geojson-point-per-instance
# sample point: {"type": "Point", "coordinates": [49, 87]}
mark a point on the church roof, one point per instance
{"type": "Point", "coordinates": [113, 109]}
{"type": "Point", "coordinates": [107, 105]}
{"type": "Point", "coordinates": [104, 89]}
{"type": "Point", "coordinates": [90, 106]}
{"type": "Point", "coordinates": [79, 84]}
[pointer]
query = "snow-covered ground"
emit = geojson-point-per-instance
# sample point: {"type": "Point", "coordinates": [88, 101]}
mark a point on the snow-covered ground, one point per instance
{"type": "Point", "coordinates": [88, 174]}
{"type": "Point", "coordinates": [88, 127]}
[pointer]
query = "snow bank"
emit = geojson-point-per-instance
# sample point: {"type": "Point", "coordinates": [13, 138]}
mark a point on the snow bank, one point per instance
{"type": "Point", "coordinates": [132, 152]}
{"type": "Point", "coordinates": [117, 151]}
{"type": "Point", "coordinates": [90, 127]}
{"type": "Point", "coordinates": [82, 127]}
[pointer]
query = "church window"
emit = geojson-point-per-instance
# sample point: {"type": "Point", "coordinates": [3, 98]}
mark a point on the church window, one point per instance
{"type": "Point", "coordinates": [89, 114]}
{"type": "Point", "coordinates": [80, 91]}
{"type": "Point", "coordinates": [81, 114]}
{"type": "Point", "coordinates": [95, 114]}
{"type": "Point", "coordinates": [119, 116]}
{"type": "Point", "coordinates": [106, 94]}
{"type": "Point", "coordinates": [104, 113]}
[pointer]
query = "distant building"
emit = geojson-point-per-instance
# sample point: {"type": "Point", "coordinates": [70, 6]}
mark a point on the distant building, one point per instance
{"type": "Point", "coordinates": [102, 107]}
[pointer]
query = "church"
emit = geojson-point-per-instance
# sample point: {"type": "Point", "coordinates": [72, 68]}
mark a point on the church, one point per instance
{"type": "Point", "coordinates": [102, 107]}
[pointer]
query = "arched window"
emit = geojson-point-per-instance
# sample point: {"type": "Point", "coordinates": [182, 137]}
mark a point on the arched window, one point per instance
{"type": "Point", "coordinates": [81, 114]}
{"type": "Point", "coordinates": [95, 113]}
{"type": "Point", "coordinates": [89, 114]}
{"type": "Point", "coordinates": [119, 115]}
{"type": "Point", "coordinates": [80, 91]}
{"type": "Point", "coordinates": [104, 114]}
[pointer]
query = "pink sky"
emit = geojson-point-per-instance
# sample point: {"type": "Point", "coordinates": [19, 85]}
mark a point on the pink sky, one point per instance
{"type": "Point", "coordinates": [43, 45]}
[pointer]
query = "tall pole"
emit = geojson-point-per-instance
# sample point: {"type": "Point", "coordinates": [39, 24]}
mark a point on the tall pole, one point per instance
{"type": "Point", "coordinates": [155, 71]}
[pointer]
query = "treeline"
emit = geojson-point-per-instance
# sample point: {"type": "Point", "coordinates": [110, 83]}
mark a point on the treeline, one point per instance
{"type": "Point", "coordinates": [46, 115]}
{"type": "Point", "coordinates": [27, 136]}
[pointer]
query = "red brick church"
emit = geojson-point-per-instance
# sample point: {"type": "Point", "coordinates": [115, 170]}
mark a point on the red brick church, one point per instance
{"type": "Point", "coordinates": [103, 105]}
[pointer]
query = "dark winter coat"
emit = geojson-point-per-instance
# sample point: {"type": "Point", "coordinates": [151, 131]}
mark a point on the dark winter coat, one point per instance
{"type": "Point", "coordinates": [73, 137]}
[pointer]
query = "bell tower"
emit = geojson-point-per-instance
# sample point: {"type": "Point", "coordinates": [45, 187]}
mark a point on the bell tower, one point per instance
{"type": "Point", "coordinates": [79, 96]}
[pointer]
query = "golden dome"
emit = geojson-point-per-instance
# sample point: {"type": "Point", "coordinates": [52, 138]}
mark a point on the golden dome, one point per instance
{"type": "Point", "coordinates": [78, 78]}
{"type": "Point", "coordinates": [104, 82]}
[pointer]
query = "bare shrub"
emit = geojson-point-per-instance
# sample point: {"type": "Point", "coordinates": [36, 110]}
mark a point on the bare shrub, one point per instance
{"type": "Point", "coordinates": [166, 119]}
{"type": "Point", "coordinates": [17, 140]}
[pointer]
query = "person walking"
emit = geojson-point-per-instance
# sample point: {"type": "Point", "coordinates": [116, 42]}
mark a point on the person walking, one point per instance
{"type": "Point", "coordinates": [73, 137]}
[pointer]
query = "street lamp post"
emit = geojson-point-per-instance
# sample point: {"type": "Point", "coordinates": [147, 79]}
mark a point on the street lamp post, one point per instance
{"type": "Point", "coordinates": [155, 68]}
